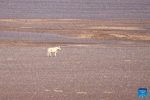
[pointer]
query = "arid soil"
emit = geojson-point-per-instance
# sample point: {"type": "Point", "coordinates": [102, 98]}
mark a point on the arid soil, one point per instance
{"type": "Point", "coordinates": [86, 29]}
{"type": "Point", "coordinates": [99, 59]}
{"type": "Point", "coordinates": [77, 73]}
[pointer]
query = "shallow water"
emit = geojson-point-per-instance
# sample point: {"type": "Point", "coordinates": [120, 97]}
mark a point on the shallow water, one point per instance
{"type": "Point", "coordinates": [76, 9]}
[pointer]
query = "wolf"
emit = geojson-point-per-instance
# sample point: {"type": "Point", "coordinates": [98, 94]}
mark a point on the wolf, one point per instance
{"type": "Point", "coordinates": [53, 50]}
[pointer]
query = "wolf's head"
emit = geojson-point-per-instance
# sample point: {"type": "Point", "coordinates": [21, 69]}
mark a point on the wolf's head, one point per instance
{"type": "Point", "coordinates": [59, 48]}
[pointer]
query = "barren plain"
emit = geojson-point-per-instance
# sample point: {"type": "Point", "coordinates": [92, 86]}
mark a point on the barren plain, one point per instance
{"type": "Point", "coordinates": [99, 60]}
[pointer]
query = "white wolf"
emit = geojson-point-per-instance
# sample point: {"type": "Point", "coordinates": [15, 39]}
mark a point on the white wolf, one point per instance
{"type": "Point", "coordinates": [53, 49]}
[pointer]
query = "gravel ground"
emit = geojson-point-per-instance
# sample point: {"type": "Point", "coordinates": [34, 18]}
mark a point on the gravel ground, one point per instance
{"type": "Point", "coordinates": [77, 73]}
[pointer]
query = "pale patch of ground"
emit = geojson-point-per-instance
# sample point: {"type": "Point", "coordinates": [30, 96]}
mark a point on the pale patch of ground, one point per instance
{"type": "Point", "coordinates": [115, 28]}
{"type": "Point", "coordinates": [133, 37]}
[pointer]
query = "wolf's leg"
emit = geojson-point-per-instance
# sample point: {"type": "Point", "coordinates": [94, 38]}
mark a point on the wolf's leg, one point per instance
{"type": "Point", "coordinates": [48, 54]}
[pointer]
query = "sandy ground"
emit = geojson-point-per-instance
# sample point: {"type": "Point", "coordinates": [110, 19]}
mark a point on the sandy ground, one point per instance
{"type": "Point", "coordinates": [106, 58]}
{"type": "Point", "coordinates": [73, 31]}
{"type": "Point", "coordinates": [95, 29]}
{"type": "Point", "coordinates": [99, 60]}
{"type": "Point", "coordinates": [77, 73]}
